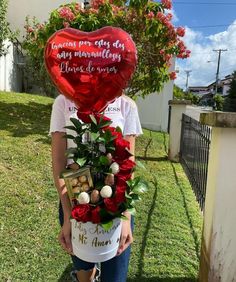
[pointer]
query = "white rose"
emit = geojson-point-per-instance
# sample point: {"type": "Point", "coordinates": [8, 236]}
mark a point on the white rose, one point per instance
{"type": "Point", "coordinates": [83, 198]}
{"type": "Point", "coordinates": [115, 168]}
{"type": "Point", "coordinates": [106, 191]}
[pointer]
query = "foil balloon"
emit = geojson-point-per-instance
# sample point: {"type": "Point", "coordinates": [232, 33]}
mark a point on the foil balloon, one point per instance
{"type": "Point", "coordinates": [91, 68]}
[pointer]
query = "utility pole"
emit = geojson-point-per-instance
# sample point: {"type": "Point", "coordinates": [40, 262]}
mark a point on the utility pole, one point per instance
{"type": "Point", "coordinates": [218, 66]}
{"type": "Point", "coordinates": [188, 75]}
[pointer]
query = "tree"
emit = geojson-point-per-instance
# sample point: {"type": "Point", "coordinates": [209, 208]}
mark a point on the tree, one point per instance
{"type": "Point", "coordinates": [230, 101]}
{"type": "Point", "coordinates": [178, 93]}
{"type": "Point", "coordinates": [232, 87]}
{"type": "Point", "coordinates": [156, 38]}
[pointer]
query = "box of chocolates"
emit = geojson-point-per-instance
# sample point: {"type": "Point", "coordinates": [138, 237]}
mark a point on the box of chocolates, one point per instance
{"type": "Point", "coordinates": [78, 181]}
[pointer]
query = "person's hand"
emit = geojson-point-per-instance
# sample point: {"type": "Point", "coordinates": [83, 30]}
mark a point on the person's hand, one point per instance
{"type": "Point", "coordinates": [126, 237]}
{"type": "Point", "coordinates": [65, 237]}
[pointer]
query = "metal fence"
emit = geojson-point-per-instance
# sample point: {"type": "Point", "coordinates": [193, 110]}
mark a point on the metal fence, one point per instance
{"type": "Point", "coordinates": [194, 153]}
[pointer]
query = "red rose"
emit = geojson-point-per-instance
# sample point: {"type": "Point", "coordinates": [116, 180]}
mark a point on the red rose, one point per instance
{"type": "Point", "coordinates": [84, 116]}
{"type": "Point", "coordinates": [114, 132]}
{"type": "Point", "coordinates": [95, 213]}
{"type": "Point", "coordinates": [121, 183]}
{"type": "Point", "coordinates": [81, 213]}
{"type": "Point", "coordinates": [126, 168]}
{"type": "Point", "coordinates": [120, 195]}
{"type": "Point", "coordinates": [111, 205]}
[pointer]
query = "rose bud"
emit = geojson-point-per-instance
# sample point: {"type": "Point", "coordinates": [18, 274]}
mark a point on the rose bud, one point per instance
{"type": "Point", "coordinates": [76, 189]}
{"type": "Point", "coordinates": [74, 182]}
{"type": "Point", "coordinates": [109, 157]}
{"type": "Point", "coordinates": [95, 196]}
{"type": "Point", "coordinates": [83, 198]}
{"type": "Point", "coordinates": [115, 168]}
{"type": "Point", "coordinates": [106, 191]}
{"type": "Point", "coordinates": [85, 187]}
{"type": "Point", "coordinates": [82, 179]}
{"type": "Point", "coordinates": [110, 179]}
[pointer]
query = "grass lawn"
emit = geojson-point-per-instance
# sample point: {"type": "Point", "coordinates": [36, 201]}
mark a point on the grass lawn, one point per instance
{"type": "Point", "coordinates": [167, 226]}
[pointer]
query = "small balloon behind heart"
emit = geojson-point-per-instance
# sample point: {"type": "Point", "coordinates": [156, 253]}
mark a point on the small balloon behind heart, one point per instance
{"type": "Point", "coordinates": [91, 68]}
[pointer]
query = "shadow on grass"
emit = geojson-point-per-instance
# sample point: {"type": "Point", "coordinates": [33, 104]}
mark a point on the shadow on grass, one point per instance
{"type": "Point", "coordinates": [65, 277]}
{"type": "Point", "coordinates": [193, 232]}
{"type": "Point", "coordinates": [21, 120]}
{"type": "Point", "coordinates": [145, 234]}
{"type": "Point", "coordinates": [151, 159]}
{"type": "Point", "coordinates": [157, 279]}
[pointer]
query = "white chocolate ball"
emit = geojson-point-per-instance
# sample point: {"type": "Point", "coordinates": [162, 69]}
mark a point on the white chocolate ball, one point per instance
{"type": "Point", "coordinates": [83, 198]}
{"type": "Point", "coordinates": [115, 168]}
{"type": "Point", "coordinates": [106, 191]}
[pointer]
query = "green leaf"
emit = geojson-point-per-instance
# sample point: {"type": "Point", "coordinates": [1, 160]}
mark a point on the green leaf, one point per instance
{"type": "Point", "coordinates": [76, 123]}
{"type": "Point", "coordinates": [107, 226]}
{"type": "Point", "coordinates": [127, 195]}
{"type": "Point", "coordinates": [71, 127]}
{"type": "Point", "coordinates": [135, 197]}
{"type": "Point", "coordinates": [94, 136]}
{"type": "Point", "coordinates": [140, 165]}
{"type": "Point", "coordinates": [69, 136]}
{"type": "Point", "coordinates": [105, 123]}
{"type": "Point", "coordinates": [141, 187]}
{"type": "Point", "coordinates": [118, 129]}
{"type": "Point", "coordinates": [93, 119]}
{"type": "Point", "coordinates": [104, 160]}
{"type": "Point", "coordinates": [81, 161]}
{"type": "Point", "coordinates": [132, 210]}
{"type": "Point", "coordinates": [123, 217]}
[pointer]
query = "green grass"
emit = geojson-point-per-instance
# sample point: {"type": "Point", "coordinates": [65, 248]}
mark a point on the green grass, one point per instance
{"type": "Point", "coordinates": [167, 226]}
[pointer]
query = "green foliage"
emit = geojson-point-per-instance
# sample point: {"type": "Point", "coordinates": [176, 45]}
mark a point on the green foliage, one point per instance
{"type": "Point", "coordinates": [193, 98]}
{"type": "Point", "coordinates": [179, 94]}
{"type": "Point", "coordinates": [157, 40]}
{"type": "Point", "coordinates": [4, 27]}
{"type": "Point", "coordinates": [230, 101]}
{"type": "Point", "coordinates": [5, 32]}
{"type": "Point", "coordinates": [219, 102]}
{"type": "Point", "coordinates": [232, 89]}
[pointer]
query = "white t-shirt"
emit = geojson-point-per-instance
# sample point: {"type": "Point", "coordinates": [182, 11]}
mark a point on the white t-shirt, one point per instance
{"type": "Point", "coordinates": [123, 112]}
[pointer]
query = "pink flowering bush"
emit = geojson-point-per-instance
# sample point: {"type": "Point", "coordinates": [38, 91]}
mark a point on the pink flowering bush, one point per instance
{"type": "Point", "coordinates": [149, 23]}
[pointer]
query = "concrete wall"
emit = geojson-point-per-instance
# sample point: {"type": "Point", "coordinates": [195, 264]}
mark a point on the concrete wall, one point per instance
{"type": "Point", "coordinates": [18, 10]}
{"type": "Point", "coordinates": [195, 111]}
{"type": "Point", "coordinates": [218, 255]}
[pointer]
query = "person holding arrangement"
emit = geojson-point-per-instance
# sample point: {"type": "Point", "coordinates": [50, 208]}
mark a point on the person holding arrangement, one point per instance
{"type": "Point", "coordinates": [123, 113]}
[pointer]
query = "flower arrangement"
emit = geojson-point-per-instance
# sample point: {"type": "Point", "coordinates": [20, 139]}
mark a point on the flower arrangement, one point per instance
{"type": "Point", "coordinates": [148, 22]}
{"type": "Point", "coordinates": [101, 150]}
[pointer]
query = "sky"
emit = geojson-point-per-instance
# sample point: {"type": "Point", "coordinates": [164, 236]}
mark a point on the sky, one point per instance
{"type": "Point", "coordinates": [210, 24]}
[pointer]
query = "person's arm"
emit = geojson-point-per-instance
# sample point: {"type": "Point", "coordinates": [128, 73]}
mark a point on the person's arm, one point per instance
{"type": "Point", "coordinates": [59, 162]}
{"type": "Point", "coordinates": [126, 237]}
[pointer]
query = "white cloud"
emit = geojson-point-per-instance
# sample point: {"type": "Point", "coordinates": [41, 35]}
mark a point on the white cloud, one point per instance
{"type": "Point", "coordinates": [203, 60]}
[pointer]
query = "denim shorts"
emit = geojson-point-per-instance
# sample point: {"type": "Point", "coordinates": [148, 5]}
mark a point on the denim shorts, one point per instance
{"type": "Point", "coordinates": [113, 270]}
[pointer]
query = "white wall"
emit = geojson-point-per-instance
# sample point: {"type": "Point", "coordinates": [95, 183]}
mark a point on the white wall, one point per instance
{"type": "Point", "coordinates": [18, 10]}
{"type": "Point", "coordinates": [154, 109]}
{"type": "Point", "coordinates": [10, 73]}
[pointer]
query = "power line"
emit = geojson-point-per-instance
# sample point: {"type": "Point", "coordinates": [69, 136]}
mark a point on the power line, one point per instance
{"type": "Point", "coordinates": [204, 3]}
{"type": "Point", "coordinates": [211, 26]}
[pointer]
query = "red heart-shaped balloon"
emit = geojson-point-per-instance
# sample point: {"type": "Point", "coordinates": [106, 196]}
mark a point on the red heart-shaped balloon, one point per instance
{"type": "Point", "coordinates": [91, 68]}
